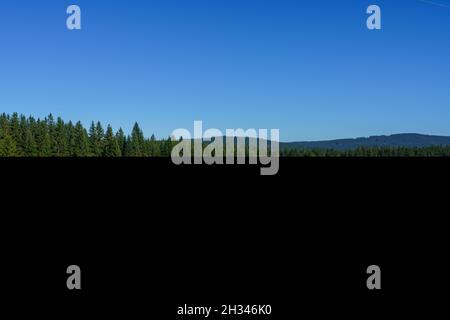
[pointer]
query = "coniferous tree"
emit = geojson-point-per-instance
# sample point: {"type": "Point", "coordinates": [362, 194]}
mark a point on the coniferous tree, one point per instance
{"type": "Point", "coordinates": [79, 142]}
{"type": "Point", "coordinates": [136, 142]}
{"type": "Point", "coordinates": [7, 144]}
{"type": "Point", "coordinates": [23, 127]}
{"type": "Point", "coordinates": [111, 147]}
{"type": "Point", "coordinates": [95, 140]}
{"type": "Point", "coordinates": [100, 134]}
{"type": "Point", "coordinates": [127, 152]}
{"type": "Point", "coordinates": [61, 139]}
{"type": "Point", "coordinates": [16, 133]}
{"type": "Point", "coordinates": [43, 141]}
{"type": "Point", "coordinates": [121, 141]}
{"type": "Point", "coordinates": [30, 148]}
{"type": "Point", "coordinates": [166, 147]}
{"type": "Point", "coordinates": [154, 147]}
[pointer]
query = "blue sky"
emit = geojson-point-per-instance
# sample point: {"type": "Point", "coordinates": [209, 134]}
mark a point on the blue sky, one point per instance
{"type": "Point", "coordinates": [310, 68]}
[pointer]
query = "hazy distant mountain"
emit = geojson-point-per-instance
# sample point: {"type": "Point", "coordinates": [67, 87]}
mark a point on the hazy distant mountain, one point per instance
{"type": "Point", "coordinates": [396, 140]}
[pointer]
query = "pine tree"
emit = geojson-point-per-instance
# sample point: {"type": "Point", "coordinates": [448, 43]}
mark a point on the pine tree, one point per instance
{"type": "Point", "coordinates": [111, 147]}
{"type": "Point", "coordinates": [61, 139]}
{"type": "Point", "coordinates": [154, 147]}
{"type": "Point", "coordinates": [79, 143]}
{"type": "Point", "coordinates": [100, 134]}
{"type": "Point", "coordinates": [43, 141]}
{"type": "Point", "coordinates": [30, 147]}
{"type": "Point", "coordinates": [166, 147]}
{"type": "Point", "coordinates": [128, 150]}
{"type": "Point", "coordinates": [7, 144]}
{"type": "Point", "coordinates": [121, 141]}
{"type": "Point", "coordinates": [94, 141]}
{"type": "Point", "coordinates": [136, 143]}
{"type": "Point", "coordinates": [51, 126]}
{"type": "Point", "coordinates": [16, 133]}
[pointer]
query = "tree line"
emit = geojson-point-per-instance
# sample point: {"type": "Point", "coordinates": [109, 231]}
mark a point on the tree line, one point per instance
{"type": "Point", "coordinates": [432, 151]}
{"type": "Point", "coordinates": [22, 136]}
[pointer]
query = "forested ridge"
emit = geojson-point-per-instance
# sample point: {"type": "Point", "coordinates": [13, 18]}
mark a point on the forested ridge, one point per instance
{"type": "Point", "coordinates": [22, 136]}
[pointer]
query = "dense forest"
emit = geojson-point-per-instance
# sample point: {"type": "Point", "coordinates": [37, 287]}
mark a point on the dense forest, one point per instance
{"type": "Point", "coordinates": [434, 151]}
{"type": "Point", "coordinates": [22, 136]}
{"type": "Point", "coordinates": [29, 137]}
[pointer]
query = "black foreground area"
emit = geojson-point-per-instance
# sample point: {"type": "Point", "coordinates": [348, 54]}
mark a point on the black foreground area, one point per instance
{"type": "Point", "coordinates": [150, 237]}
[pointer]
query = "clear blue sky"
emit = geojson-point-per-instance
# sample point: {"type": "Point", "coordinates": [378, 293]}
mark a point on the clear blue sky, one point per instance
{"type": "Point", "coordinates": [310, 68]}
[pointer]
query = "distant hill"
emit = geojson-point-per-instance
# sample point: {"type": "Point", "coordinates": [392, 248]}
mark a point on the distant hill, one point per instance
{"type": "Point", "coordinates": [410, 140]}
